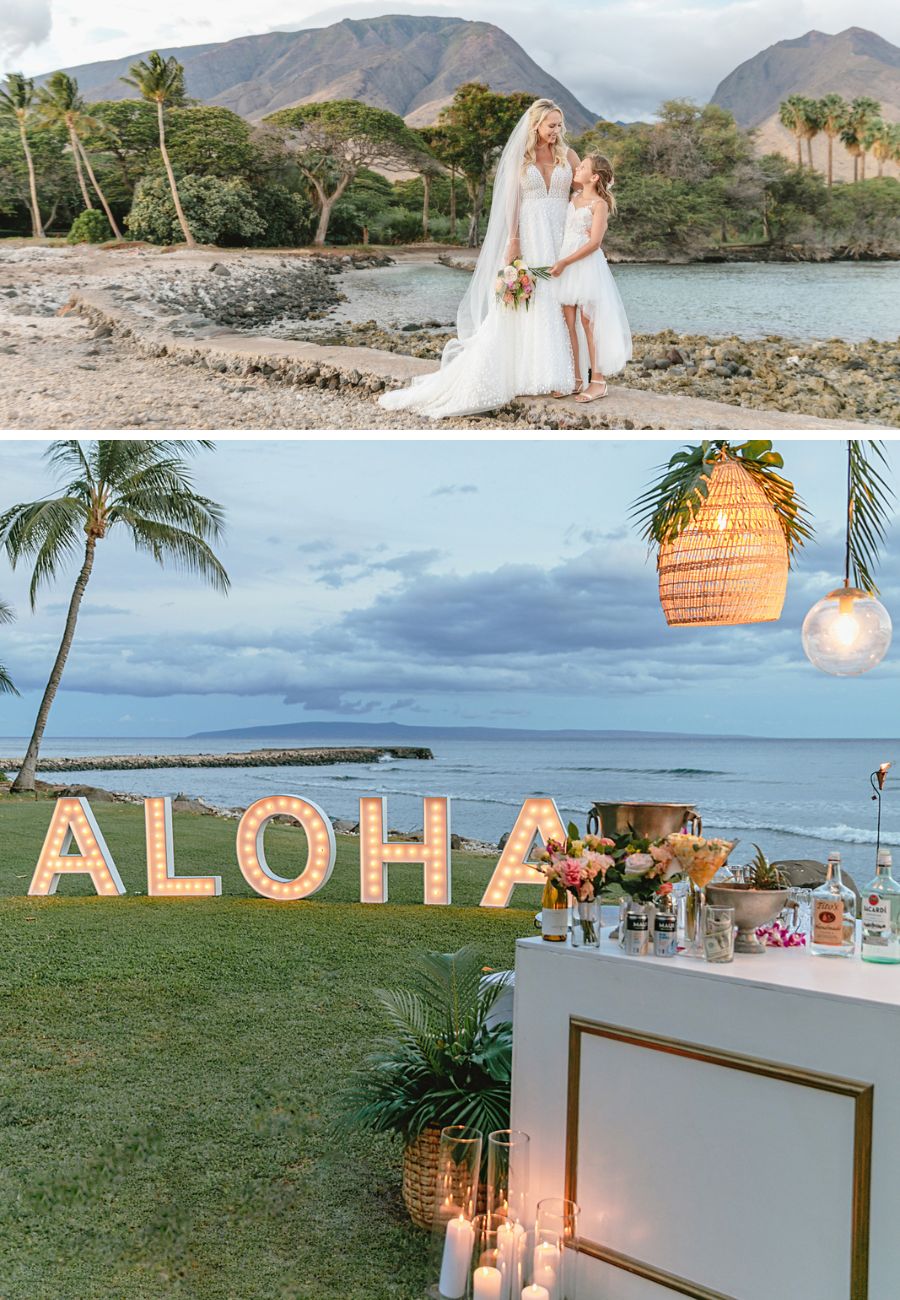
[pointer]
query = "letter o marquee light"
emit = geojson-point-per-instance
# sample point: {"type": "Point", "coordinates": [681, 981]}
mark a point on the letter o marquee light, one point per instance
{"type": "Point", "coordinates": [73, 820]}
{"type": "Point", "coordinates": [251, 849]}
{"type": "Point", "coordinates": [539, 816]}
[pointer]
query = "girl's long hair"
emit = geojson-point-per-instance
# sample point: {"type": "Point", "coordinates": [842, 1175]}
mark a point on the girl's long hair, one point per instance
{"type": "Point", "coordinates": [601, 167]}
{"type": "Point", "coordinates": [536, 114]}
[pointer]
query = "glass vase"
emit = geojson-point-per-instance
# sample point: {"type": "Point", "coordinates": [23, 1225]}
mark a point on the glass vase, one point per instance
{"type": "Point", "coordinates": [555, 1259]}
{"type": "Point", "coordinates": [455, 1203]}
{"type": "Point", "coordinates": [692, 903]}
{"type": "Point", "coordinates": [586, 924]}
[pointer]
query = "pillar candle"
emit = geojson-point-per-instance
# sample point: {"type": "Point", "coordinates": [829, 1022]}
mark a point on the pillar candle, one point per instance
{"type": "Point", "coordinates": [486, 1284]}
{"type": "Point", "coordinates": [535, 1292]}
{"type": "Point", "coordinates": [458, 1245]}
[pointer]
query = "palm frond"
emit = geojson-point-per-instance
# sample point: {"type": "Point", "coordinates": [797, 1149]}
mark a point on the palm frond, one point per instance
{"type": "Point", "coordinates": [187, 551]}
{"type": "Point", "coordinates": [50, 532]}
{"type": "Point", "coordinates": [870, 500]}
{"type": "Point", "coordinates": [6, 683]}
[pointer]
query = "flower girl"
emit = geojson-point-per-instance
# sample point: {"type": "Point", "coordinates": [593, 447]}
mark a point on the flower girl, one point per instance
{"type": "Point", "coordinates": [585, 284]}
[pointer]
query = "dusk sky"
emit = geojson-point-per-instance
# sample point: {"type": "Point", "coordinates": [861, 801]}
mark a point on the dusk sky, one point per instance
{"type": "Point", "coordinates": [444, 582]}
{"type": "Point", "coordinates": [620, 57]}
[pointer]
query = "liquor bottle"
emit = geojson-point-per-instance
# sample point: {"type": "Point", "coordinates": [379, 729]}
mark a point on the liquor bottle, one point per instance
{"type": "Point", "coordinates": [881, 914]}
{"type": "Point", "coordinates": [665, 943]}
{"type": "Point", "coordinates": [833, 930]}
{"type": "Point", "coordinates": [554, 912]}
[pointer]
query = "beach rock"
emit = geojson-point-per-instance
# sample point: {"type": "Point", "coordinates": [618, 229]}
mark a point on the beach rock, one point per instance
{"type": "Point", "coordinates": [807, 873]}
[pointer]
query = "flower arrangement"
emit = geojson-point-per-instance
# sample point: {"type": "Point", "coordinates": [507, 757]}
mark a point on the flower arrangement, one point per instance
{"type": "Point", "coordinates": [777, 935]}
{"type": "Point", "coordinates": [516, 283]}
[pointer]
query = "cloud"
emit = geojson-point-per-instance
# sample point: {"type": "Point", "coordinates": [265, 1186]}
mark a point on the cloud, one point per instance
{"type": "Point", "coordinates": [352, 566]}
{"type": "Point", "coordinates": [454, 489]}
{"type": "Point", "coordinates": [23, 23]}
{"type": "Point", "coordinates": [88, 609]}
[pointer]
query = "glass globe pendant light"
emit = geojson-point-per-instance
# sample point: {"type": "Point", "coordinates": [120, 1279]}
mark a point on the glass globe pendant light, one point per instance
{"type": "Point", "coordinates": [849, 631]}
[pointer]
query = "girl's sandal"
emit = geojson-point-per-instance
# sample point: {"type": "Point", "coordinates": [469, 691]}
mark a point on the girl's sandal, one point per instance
{"type": "Point", "coordinates": [579, 385]}
{"type": "Point", "coordinates": [588, 396]}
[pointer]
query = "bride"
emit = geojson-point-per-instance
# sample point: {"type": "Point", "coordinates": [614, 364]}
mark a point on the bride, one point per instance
{"type": "Point", "coordinates": [500, 352]}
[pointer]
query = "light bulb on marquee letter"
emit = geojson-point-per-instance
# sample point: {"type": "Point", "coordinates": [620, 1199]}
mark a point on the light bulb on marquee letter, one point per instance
{"type": "Point", "coordinates": [73, 820]}
{"type": "Point", "coordinates": [161, 879]}
{"type": "Point", "coordinates": [538, 816]}
{"type": "Point", "coordinates": [251, 848]}
{"type": "Point", "coordinates": [376, 853]}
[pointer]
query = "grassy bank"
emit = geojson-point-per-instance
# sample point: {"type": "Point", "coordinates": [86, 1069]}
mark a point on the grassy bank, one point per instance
{"type": "Point", "coordinates": [169, 1070]}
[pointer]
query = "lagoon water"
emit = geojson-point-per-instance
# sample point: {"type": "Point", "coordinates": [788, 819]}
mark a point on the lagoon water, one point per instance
{"type": "Point", "coordinates": [802, 300]}
{"type": "Point", "coordinates": [796, 798]}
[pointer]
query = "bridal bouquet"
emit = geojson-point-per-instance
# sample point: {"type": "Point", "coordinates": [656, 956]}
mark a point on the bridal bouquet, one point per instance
{"type": "Point", "coordinates": [516, 283]}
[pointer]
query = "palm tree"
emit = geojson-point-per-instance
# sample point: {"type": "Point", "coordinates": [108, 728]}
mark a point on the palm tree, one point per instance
{"type": "Point", "coordinates": [859, 117]}
{"type": "Point", "coordinates": [6, 686]}
{"type": "Point", "coordinates": [15, 103]}
{"type": "Point", "coordinates": [792, 114]}
{"type": "Point", "coordinates": [832, 117]}
{"type": "Point", "coordinates": [145, 486]}
{"type": "Point", "coordinates": [161, 82]}
{"type": "Point", "coordinates": [812, 125]}
{"type": "Point", "coordinates": [879, 140]}
{"type": "Point", "coordinates": [60, 104]}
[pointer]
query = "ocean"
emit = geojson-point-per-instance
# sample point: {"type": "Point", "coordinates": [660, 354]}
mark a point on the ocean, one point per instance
{"type": "Point", "coordinates": [795, 798]}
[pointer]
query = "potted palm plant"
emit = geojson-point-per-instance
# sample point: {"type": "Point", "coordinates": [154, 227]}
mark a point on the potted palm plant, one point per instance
{"type": "Point", "coordinates": [757, 899]}
{"type": "Point", "coordinates": [445, 1063]}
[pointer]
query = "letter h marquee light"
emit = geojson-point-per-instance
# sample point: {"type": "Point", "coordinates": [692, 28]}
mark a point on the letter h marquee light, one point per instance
{"type": "Point", "coordinates": [376, 852]}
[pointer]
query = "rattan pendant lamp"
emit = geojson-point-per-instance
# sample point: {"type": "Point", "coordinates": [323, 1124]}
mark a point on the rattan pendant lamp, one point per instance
{"type": "Point", "coordinates": [725, 523]}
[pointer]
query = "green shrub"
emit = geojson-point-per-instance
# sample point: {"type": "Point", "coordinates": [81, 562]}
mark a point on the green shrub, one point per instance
{"type": "Point", "coordinates": [89, 227]}
{"type": "Point", "coordinates": [289, 219]}
{"type": "Point", "coordinates": [217, 211]}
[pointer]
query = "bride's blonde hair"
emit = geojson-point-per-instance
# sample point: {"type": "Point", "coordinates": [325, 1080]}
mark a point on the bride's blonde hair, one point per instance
{"type": "Point", "coordinates": [536, 114]}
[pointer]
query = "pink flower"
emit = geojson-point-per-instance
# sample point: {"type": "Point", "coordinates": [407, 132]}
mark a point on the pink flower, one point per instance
{"type": "Point", "coordinates": [571, 872]}
{"type": "Point", "coordinates": [638, 864]}
{"type": "Point", "coordinates": [586, 891]}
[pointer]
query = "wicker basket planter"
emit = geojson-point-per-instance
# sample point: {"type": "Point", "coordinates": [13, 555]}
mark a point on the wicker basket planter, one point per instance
{"type": "Point", "coordinates": [420, 1166]}
{"type": "Point", "coordinates": [730, 564]}
{"type": "Point", "coordinates": [420, 1172]}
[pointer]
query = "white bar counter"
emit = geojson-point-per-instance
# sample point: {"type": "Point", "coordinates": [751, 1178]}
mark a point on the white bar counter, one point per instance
{"type": "Point", "coordinates": [727, 1130]}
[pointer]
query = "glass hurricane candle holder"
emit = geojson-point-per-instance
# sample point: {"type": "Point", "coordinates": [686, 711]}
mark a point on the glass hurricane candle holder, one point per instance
{"type": "Point", "coordinates": [498, 1260]}
{"type": "Point", "coordinates": [555, 1258]}
{"type": "Point", "coordinates": [455, 1203]}
{"type": "Point", "coordinates": [506, 1195]}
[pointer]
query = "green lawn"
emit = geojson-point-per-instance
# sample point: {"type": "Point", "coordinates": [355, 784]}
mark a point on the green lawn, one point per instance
{"type": "Point", "coordinates": [169, 1070]}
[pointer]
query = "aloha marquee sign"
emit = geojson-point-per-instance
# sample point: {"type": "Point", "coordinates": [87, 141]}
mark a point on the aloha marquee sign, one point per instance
{"type": "Point", "coordinates": [74, 827]}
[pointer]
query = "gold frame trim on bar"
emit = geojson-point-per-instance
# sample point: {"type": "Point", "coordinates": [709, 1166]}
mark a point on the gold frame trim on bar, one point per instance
{"type": "Point", "coordinates": [862, 1095]}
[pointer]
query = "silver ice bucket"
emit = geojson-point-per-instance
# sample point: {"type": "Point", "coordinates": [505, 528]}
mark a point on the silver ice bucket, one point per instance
{"type": "Point", "coordinates": [653, 820]}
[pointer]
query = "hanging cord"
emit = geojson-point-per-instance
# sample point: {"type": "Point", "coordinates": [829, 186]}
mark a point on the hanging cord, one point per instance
{"type": "Point", "coordinates": [849, 512]}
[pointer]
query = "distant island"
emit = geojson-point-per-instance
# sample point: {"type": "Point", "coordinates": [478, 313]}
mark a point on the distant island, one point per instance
{"type": "Point", "coordinates": [385, 731]}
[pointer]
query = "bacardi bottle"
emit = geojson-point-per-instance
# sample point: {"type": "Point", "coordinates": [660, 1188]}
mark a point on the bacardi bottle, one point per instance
{"type": "Point", "coordinates": [833, 914]}
{"type": "Point", "coordinates": [881, 914]}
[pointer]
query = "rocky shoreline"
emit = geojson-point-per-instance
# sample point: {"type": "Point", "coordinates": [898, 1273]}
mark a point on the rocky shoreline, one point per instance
{"type": "Point", "coordinates": [314, 757]}
{"type": "Point", "coordinates": [96, 338]}
{"type": "Point", "coordinates": [830, 379]}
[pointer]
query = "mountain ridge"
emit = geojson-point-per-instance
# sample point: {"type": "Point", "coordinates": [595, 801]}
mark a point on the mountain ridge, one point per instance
{"type": "Point", "coordinates": [409, 64]}
{"type": "Point", "coordinates": [406, 731]}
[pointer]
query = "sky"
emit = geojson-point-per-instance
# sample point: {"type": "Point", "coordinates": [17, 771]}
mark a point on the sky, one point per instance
{"type": "Point", "coordinates": [620, 57]}
{"type": "Point", "coordinates": [491, 583]}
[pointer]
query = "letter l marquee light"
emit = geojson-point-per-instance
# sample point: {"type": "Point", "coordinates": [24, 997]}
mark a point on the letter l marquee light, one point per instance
{"type": "Point", "coordinates": [539, 816]}
{"type": "Point", "coordinates": [73, 820]}
{"type": "Point", "coordinates": [161, 879]}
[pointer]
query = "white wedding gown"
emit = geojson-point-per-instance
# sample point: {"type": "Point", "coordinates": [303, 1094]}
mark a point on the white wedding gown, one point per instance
{"type": "Point", "coordinates": [514, 352]}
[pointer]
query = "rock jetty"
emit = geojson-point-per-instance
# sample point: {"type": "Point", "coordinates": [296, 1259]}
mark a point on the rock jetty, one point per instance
{"type": "Point", "coordinates": [248, 758]}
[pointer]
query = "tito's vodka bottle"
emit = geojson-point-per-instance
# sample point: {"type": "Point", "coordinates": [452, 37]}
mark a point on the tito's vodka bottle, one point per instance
{"type": "Point", "coordinates": [833, 914]}
{"type": "Point", "coordinates": [881, 914]}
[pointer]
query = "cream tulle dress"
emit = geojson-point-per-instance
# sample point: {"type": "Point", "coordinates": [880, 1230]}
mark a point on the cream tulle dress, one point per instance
{"type": "Point", "coordinates": [589, 285]}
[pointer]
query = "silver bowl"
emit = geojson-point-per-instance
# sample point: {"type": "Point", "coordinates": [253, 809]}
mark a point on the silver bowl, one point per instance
{"type": "Point", "coordinates": [753, 908]}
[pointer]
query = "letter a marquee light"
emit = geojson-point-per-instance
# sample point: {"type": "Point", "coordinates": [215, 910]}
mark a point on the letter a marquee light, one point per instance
{"type": "Point", "coordinates": [73, 820]}
{"type": "Point", "coordinates": [539, 816]}
{"type": "Point", "coordinates": [251, 853]}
